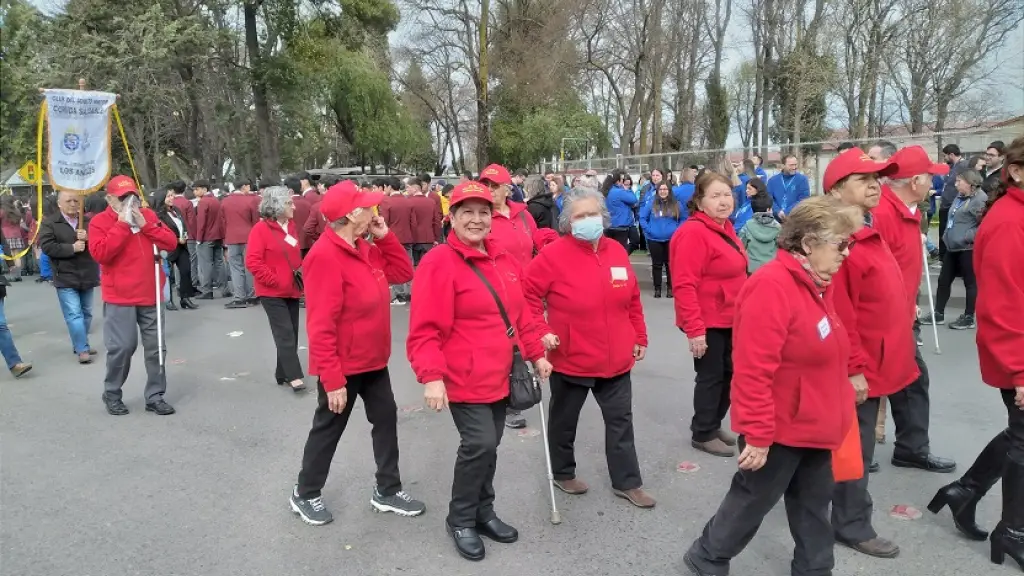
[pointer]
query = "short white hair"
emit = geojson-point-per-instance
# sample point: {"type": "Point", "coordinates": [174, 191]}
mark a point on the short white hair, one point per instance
{"type": "Point", "coordinates": [581, 193]}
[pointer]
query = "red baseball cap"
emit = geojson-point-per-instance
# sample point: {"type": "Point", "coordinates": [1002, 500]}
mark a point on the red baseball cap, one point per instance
{"type": "Point", "coordinates": [913, 160]}
{"type": "Point", "coordinates": [121, 186]}
{"type": "Point", "coordinates": [469, 190]}
{"type": "Point", "coordinates": [343, 198]}
{"type": "Point", "coordinates": [854, 161]}
{"type": "Point", "coordinates": [496, 173]}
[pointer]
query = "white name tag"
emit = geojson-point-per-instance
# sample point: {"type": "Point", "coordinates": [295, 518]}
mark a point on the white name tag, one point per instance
{"type": "Point", "coordinates": [824, 328]}
{"type": "Point", "coordinates": [291, 241]}
{"type": "Point", "coordinates": [619, 273]}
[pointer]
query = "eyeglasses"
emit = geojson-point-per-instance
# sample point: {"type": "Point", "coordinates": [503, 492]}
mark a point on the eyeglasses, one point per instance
{"type": "Point", "coordinates": [841, 245]}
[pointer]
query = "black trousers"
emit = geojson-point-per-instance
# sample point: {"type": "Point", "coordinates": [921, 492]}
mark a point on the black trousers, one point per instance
{"type": "Point", "coordinates": [283, 314]}
{"type": "Point", "coordinates": [382, 414]}
{"type": "Point", "coordinates": [417, 252]}
{"type": "Point", "coordinates": [851, 501]}
{"type": "Point", "coordinates": [1007, 445]}
{"type": "Point", "coordinates": [960, 263]}
{"type": "Point", "coordinates": [615, 398]}
{"type": "Point", "coordinates": [659, 260]}
{"type": "Point", "coordinates": [911, 409]}
{"type": "Point", "coordinates": [184, 266]}
{"type": "Point", "coordinates": [480, 428]}
{"type": "Point", "coordinates": [620, 235]}
{"type": "Point", "coordinates": [712, 385]}
{"type": "Point", "coordinates": [943, 219]}
{"type": "Point", "coordinates": [803, 476]}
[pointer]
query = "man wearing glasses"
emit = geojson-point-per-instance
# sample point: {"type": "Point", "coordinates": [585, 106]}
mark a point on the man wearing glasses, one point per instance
{"type": "Point", "coordinates": [64, 238]}
{"type": "Point", "coordinates": [993, 166]}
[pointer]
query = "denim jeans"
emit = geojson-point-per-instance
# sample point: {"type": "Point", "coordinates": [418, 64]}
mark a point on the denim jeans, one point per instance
{"type": "Point", "coordinates": [7, 347]}
{"type": "Point", "coordinates": [76, 305]}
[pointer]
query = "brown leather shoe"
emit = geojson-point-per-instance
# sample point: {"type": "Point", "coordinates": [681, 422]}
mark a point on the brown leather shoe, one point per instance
{"type": "Point", "coordinates": [877, 547]}
{"type": "Point", "coordinates": [573, 486]}
{"type": "Point", "coordinates": [637, 497]}
{"type": "Point", "coordinates": [715, 447]}
{"type": "Point", "coordinates": [726, 438]}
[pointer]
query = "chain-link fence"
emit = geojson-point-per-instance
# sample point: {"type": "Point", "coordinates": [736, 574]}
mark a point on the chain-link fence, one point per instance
{"type": "Point", "coordinates": [814, 156]}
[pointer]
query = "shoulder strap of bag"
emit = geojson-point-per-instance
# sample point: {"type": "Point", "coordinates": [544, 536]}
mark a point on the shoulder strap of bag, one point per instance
{"type": "Point", "coordinates": [727, 239]}
{"type": "Point", "coordinates": [509, 330]}
{"type": "Point", "coordinates": [284, 247]}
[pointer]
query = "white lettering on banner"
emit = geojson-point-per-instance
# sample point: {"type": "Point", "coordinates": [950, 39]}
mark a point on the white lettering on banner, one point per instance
{"type": "Point", "coordinates": [78, 137]}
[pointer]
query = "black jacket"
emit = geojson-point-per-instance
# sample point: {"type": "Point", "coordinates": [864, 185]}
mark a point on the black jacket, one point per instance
{"type": "Point", "coordinates": [544, 210]}
{"type": "Point", "coordinates": [165, 217]}
{"type": "Point", "coordinates": [991, 182]}
{"type": "Point", "coordinates": [70, 269]}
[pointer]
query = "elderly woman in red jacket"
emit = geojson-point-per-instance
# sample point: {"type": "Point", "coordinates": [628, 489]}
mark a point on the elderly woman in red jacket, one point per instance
{"type": "Point", "coordinates": [461, 350]}
{"type": "Point", "coordinates": [792, 401]}
{"type": "Point", "coordinates": [272, 256]}
{"type": "Point", "coordinates": [1001, 356]}
{"type": "Point", "coordinates": [593, 352]}
{"type": "Point", "coordinates": [709, 266]}
{"type": "Point", "coordinates": [348, 324]}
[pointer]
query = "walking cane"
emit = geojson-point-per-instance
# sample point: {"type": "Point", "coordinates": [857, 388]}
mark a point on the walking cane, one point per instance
{"type": "Point", "coordinates": [159, 307]}
{"type": "Point", "coordinates": [556, 518]}
{"type": "Point", "coordinates": [931, 300]}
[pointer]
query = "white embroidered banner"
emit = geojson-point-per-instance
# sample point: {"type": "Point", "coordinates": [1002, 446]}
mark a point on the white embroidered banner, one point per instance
{"type": "Point", "coordinates": [78, 131]}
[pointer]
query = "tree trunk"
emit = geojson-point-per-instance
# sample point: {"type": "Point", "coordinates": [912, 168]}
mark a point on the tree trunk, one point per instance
{"type": "Point", "coordinates": [270, 160]}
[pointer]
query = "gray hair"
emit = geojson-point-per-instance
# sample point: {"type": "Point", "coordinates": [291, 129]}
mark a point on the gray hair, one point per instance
{"type": "Point", "coordinates": [888, 148]}
{"type": "Point", "coordinates": [581, 193]}
{"type": "Point", "coordinates": [972, 177]}
{"type": "Point", "coordinates": [535, 186]}
{"type": "Point", "coordinates": [344, 220]}
{"type": "Point", "coordinates": [273, 201]}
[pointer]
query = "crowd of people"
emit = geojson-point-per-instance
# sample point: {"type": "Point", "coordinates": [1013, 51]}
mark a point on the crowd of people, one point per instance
{"type": "Point", "coordinates": [507, 268]}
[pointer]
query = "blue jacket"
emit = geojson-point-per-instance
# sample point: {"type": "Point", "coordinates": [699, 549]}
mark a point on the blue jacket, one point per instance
{"type": "Point", "coordinates": [620, 204]}
{"type": "Point", "coordinates": [788, 191]}
{"type": "Point", "coordinates": [646, 194]}
{"type": "Point", "coordinates": [683, 192]}
{"type": "Point", "coordinates": [659, 226]}
{"type": "Point", "coordinates": [517, 194]}
{"type": "Point", "coordinates": [744, 211]}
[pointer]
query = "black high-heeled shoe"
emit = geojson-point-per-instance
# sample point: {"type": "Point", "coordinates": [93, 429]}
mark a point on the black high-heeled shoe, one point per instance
{"type": "Point", "coordinates": [188, 304]}
{"type": "Point", "coordinates": [963, 503]}
{"type": "Point", "coordinates": [1008, 537]}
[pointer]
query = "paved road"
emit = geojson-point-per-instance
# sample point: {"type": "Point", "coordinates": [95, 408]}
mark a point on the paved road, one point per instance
{"type": "Point", "coordinates": [204, 492]}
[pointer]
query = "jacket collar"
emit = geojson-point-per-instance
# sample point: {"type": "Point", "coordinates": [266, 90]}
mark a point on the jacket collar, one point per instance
{"type": "Point", "coordinates": [1015, 192]}
{"type": "Point", "coordinates": [469, 253]}
{"type": "Point", "coordinates": [514, 208]}
{"type": "Point", "coordinates": [58, 217]}
{"type": "Point", "coordinates": [801, 276]}
{"type": "Point", "coordinates": [583, 245]}
{"type": "Point", "coordinates": [901, 208]}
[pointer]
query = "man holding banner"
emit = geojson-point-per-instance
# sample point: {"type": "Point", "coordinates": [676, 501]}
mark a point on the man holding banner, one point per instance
{"type": "Point", "coordinates": [121, 239]}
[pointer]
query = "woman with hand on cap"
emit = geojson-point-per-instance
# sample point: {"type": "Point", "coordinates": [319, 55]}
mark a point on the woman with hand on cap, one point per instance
{"type": "Point", "coordinates": [881, 351]}
{"type": "Point", "coordinates": [590, 352]}
{"type": "Point", "coordinates": [461, 351]}
{"type": "Point", "coordinates": [709, 266]}
{"type": "Point", "coordinates": [791, 397]}
{"type": "Point", "coordinates": [348, 326]}
{"type": "Point", "coordinates": [123, 240]}
{"type": "Point", "coordinates": [273, 256]}
{"type": "Point", "coordinates": [515, 230]}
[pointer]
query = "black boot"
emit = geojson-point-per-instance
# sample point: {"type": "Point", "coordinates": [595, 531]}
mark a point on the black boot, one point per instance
{"type": "Point", "coordinates": [1008, 537]}
{"type": "Point", "coordinates": [657, 291]}
{"type": "Point", "coordinates": [963, 496]}
{"type": "Point", "coordinates": [668, 291]}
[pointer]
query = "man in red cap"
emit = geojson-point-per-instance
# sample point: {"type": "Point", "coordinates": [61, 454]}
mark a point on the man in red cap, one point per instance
{"type": "Point", "coordinates": [875, 322]}
{"type": "Point", "coordinates": [125, 239]}
{"type": "Point", "coordinates": [899, 224]}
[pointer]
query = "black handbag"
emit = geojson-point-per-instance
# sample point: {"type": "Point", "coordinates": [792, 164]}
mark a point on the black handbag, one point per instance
{"type": "Point", "coordinates": [296, 272]}
{"type": "Point", "coordinates": [524, 386]}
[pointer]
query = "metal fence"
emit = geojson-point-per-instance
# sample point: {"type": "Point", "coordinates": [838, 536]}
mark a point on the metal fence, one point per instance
{"type": "Point", "coordinates": [814, 159]}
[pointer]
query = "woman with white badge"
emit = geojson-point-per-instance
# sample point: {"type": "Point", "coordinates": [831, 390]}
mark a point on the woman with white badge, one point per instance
{"type": "Point", "coordinates": [273, 257]}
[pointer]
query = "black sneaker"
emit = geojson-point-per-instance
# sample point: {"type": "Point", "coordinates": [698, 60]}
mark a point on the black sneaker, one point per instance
{"type": "Point", "coordinates": [399, 503]}
{"type": "Point", "coordinates": [115, 407]}
{"type": "Point", "coordinates": [514, 420]}
{"type": "Point", "coordinates": [235, 305]}
{"type": "Point", "coordinates": [939, 317]}
{"type": "Point", "coordinates": [160, 407]}
{"type": "Point", "coordinates": [312, 510]}
{"type": "Point", "coordinates": [964, 322]}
